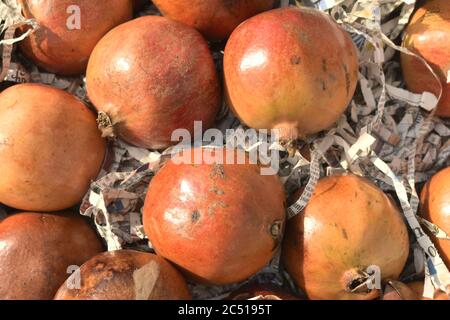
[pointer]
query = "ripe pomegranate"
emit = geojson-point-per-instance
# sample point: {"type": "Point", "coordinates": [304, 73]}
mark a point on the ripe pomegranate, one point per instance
{"type": "Point", "coordinates": [348, 226]}
{"type": "Point", "coordinates": [125, 275]}
{"type": "Point", "coordinates": [50, 148]}
{"type": "Point", "coordinates": [219, 223]}
{"type": "Point", "coordinates": [256, 291]}
{"type": "Point", "coordinates": [427, 35]}
{"type": "Point", "coordinates": [152, 76]}
{"type": "Point", "coordinates": [435, 201]}
{"type": "Point", "coordinates": [215, 19]}
{"type": "Point", "coordinates": [37, 249]}
{"type": "Point", "coordinates": [69, 30]}
{"type": "Point", "coordinates": [290, 69]}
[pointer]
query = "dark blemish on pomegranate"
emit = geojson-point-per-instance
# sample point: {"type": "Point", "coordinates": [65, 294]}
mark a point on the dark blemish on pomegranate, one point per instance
{"type": "Point", "coordinates": [295, 60]}
{"type": "Point", "coordinates": [195, 216]}
{"type": "Point", "coordinates": [276, 233]}
{"type": "Point", "coordinates": [212, 207]}
{"type": "Point", "coordinates": [324, 85]}
{"type": "Point", "coordinates": [347, 79]}
{"type": "Point", "coordinates": [218, 170]}
{"type": "Point", "coordinates": [356, 194]}
{"type": "Point", "coordinates": [344, 233]}
{"type": "Point", "coordinates": [217, 191]}
{"type": "Point", "coordinates": [324, 65]}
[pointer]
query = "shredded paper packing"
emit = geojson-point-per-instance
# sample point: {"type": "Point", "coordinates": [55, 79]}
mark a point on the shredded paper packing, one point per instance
{"type": "Point", "coordinates": [388, 135]}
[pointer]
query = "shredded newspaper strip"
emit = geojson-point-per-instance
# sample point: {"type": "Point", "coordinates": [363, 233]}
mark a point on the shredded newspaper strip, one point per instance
{"type": "Point", "coordinates": [388, 135]}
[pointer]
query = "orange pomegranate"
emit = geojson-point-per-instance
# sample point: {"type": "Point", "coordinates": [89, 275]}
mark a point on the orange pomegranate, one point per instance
{"type": "Point", "coordinates": [125, 275]}
{"type": "Point", "coordinates": [218, 223]}
{"type": "Point", "coordinates": [152, 76]}
{"type": "Point", "coordinates": [38, 251]}
{"type": "Point", "coordinates": [215, 19]}
{"type": "Point", "coordinates": [50, 148]}
{"type": "Point", "coordinates": [69, 30]}
{"type": "Point", "coordinates": [349, 229]}
{"type": "Point", "coordinates": [279, 73]}
{"type": "Point", "coordinates": [428, 34]}
{"type": "Point", "coordinates": [435, 201]}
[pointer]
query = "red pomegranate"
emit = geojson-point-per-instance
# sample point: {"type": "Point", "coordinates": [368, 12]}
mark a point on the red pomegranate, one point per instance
{"type": "Point", "coordinates": [280, 73]}
{"type": "Point", "coordinates": [37, 251]}
{"type": "Point", "coordinates": [428, 35]}
{"type": "Point", "coordinates": [435, 200]}
{"type": "Point", "coordinates": [125, 275]}
{"type": "Point", "coordinates": [69, 30]}
{"type": "Point", "coordinates": [218, 223]}
{"type": "Point", "coordinates": [50, 148]}
{"type": "Point", "coordinates": [349, 229]}
{"type": "Point", "coordinates": [152, 76]}
{"type": "Point", "coordinates": [215, 19]}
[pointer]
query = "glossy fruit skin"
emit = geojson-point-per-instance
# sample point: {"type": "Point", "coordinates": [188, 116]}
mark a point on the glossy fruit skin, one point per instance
{"type": "Point", "coordinates": [215, 19]}
{"type": "Point", "coordinates": [428, 35]}
{"type": "Point", "coordinates": [126, 275]}
{"type": "Point", "coordinates": [38, 248]}
{"type": "Point", "coordinates": [279, 72]}
{"type": "Point", "coordinates": [152, 76]}
{"type": "Point", "coordinates": [218, 223]}
{"type": "Point", "coordinates": [435, 204]}
{"type": "Point", "coordinates": [63, 50]}
{"type": "Point", "coordinates": [51, 148]}
{"type": "Point", "coordinates": [348, 225]}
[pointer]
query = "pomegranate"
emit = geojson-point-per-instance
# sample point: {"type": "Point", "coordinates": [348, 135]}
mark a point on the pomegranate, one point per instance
{"type": "Point", "coordinates": [256, 291]}
{"type": "Point", "coordinates": [280, 73]}
{"type": "Point", "coordinates": [37, 250]}
{"type": "Point", "coordinates": [152, 76]}
{"type": "Point", "coordinates": [50, 148]}
{"type": "Point", "coordinates": [348, 229]}
{"type": "Point", "coordinates": [396, 290]}
{"type": "Point", "coordinates": [219, 223]}
{"type": "Point", "coordinates": [69, 30]}
{"type": "Point", "coordinates": [428, 35]}
{"type": "Point", "coordinates": [215, 19]}
{"type": "Point", "coordinates": [125, 275]}
{"type": "Point", "coordinates": [435, 201]}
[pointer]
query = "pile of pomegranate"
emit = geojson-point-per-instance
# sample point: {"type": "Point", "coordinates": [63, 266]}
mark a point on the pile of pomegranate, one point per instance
{"type": "Point", "coordinates": [130, 79]}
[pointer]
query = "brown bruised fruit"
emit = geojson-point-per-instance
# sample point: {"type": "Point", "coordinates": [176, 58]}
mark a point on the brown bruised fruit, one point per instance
{"type": "Point", "coordinates": [37, 251]}
{"type": "Point", "coordinates": [348, 230]}
{"type": "Point", "coordinates": [50, 148]}
{"type": "Point", "coordinates": [435, 201]}
{"type": "Point", "coordinates": [256, 291]}
{"type": "Point", "coordinates": [215, 19]}
{"type": "Point", "coordinates": [279, 73]}
{"type": "Point", "coordinates": [219, 223]}
{"type": "Point", "coordinates": [428, 35]}
{"type": "Point", "coordinates": [152, 76]}
{"type": "Point", "coordinates": [125, 275]}
{"type": "Point", "coordinates": [69, 30]}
